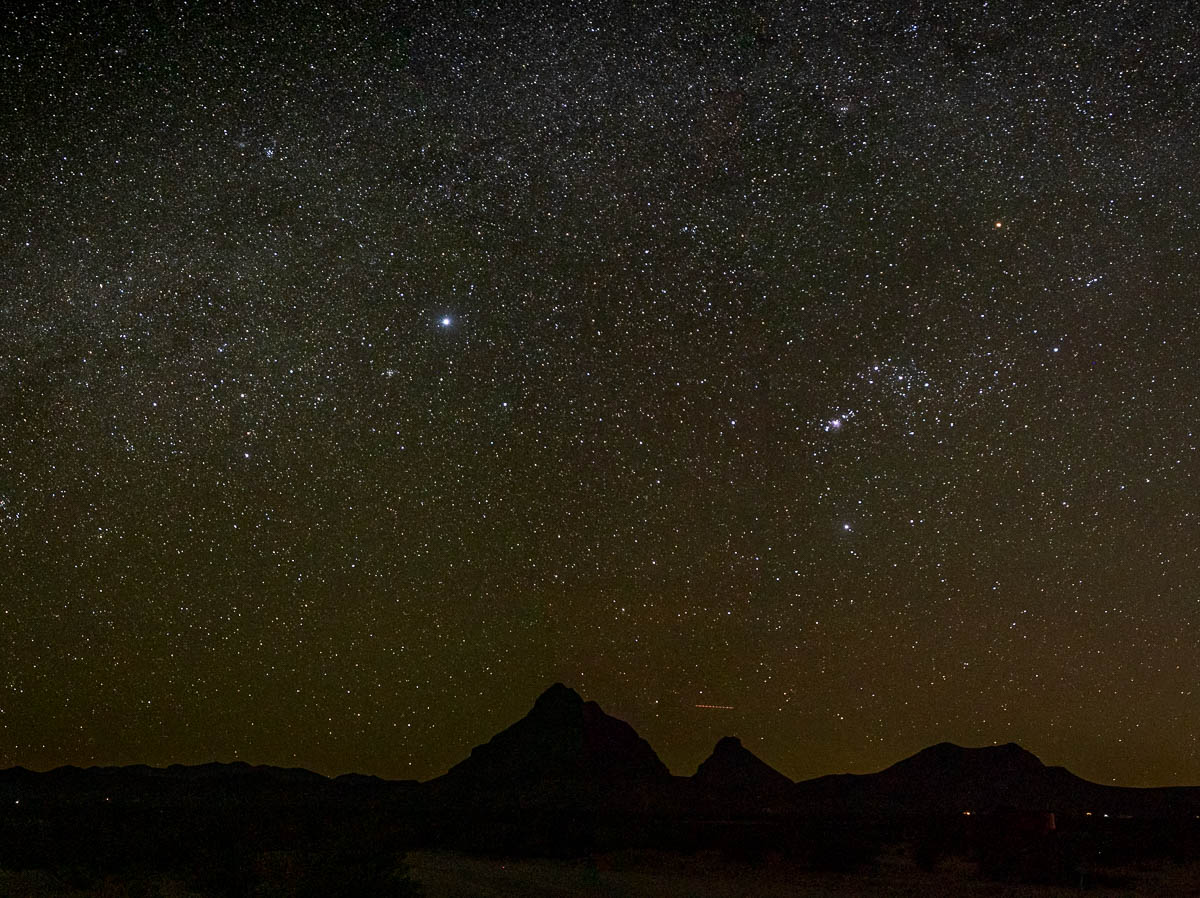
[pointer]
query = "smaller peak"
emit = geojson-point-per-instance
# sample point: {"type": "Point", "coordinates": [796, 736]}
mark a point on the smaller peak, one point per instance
{"type": "Point", "coordinates": [944, 748]}
{"type": "Point", "coordinates": [732, 766]}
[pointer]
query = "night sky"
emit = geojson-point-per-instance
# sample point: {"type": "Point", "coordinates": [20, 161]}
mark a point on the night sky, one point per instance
{"type": "Point", "coordinates": [362, 373]}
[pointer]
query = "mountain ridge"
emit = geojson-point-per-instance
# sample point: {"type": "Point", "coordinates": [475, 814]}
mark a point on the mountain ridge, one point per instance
{"type": "Point", "coordinates": [567, 751]}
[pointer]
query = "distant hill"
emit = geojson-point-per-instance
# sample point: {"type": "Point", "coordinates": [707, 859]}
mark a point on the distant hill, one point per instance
{"type": "Point", "coordinates": [948, 778]}
{"type": "Point", "coordinates": [179, 784]}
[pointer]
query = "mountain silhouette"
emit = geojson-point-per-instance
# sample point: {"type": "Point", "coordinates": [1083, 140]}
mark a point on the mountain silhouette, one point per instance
{"type": "Point", "coordinates": [947, 778]}
{"type": "Point", "coordinates": [568, 781]}
{"type": "Point", "coordinates": [992, 776]}
{"type": "Point", "coordinates": [567, 753]}
{"type": "Point", "coordinates": [734, 768]}
{"type": "Point", "coordinates": [563, 742]}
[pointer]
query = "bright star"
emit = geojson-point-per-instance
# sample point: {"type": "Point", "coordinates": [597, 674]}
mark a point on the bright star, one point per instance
{"type": "Point", "coordinates": [446, 321]}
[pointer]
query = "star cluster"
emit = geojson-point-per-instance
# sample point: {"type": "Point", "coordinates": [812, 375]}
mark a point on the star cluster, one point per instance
{"type": "Point", "coordinates": [364, 371]}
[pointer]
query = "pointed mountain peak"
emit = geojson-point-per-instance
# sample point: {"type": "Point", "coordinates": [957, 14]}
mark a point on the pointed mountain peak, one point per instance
{"type": "Point", "coordinates": [733, 766]}
{"type": "Point", "coordinates": [558, 697]}
{"type": "Point", "coordinates": [562, 739]}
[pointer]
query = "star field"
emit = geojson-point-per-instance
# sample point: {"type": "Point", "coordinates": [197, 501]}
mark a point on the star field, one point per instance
{"type": "Point", "coordinates": [832, 365]}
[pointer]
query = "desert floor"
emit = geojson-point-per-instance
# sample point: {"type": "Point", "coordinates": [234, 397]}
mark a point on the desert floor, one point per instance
{"type": "Point", "coordinates": [635, 874]}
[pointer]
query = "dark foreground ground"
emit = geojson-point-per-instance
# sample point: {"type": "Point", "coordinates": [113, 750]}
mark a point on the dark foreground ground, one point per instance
{"type": "Point", "coordinates": [654, 874]}
{"type": "Point", "coordinates": [225, 832]}
{"type": "Point", "coordinates": [636, 874]}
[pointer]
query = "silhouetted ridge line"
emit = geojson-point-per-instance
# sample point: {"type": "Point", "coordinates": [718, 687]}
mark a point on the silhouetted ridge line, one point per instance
{"type": "Point", "coordinates": [567, 754]}
{"type": "Point", "coordinates": [563, 740]}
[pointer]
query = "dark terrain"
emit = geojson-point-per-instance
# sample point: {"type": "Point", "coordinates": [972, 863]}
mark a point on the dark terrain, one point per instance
{"type": "Point", "coordinates": [569, 800]}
